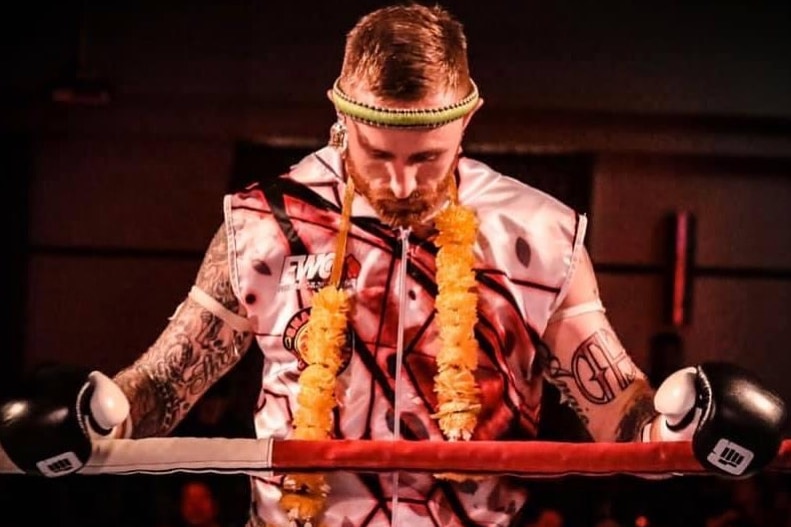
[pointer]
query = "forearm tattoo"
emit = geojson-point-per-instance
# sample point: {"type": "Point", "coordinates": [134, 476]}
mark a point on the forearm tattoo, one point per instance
{"type": "Point", "coordinates": [195, 349]}
{"type": "Point", "coordinates": [636, 417]}
{"type": "Point", "coordinates": [601, 383]}
{"type": "Point", "coordinates": [560, 378]}
{"type": "Point", "coordinates": [601, 368]}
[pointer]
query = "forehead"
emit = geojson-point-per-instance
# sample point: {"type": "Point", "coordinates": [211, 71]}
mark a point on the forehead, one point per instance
{"type": "Point", "coordinates": [406, 140]}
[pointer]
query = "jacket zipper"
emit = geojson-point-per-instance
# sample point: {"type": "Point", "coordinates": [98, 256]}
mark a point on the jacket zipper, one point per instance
{"type": "Point", "coordinates": [402, 295]}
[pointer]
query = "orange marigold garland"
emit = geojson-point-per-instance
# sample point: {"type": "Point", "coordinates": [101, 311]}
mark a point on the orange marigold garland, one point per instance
{"type": "Point", "coordinates": [304, 496]}
{"type": "Point", "coordinates": [458, 396]}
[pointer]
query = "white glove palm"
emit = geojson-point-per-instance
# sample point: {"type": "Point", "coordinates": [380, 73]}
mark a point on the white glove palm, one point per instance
{"type": "Point", "coordinates": [675, 400]}
{"type": "Point", "coordinates": [108, 408]}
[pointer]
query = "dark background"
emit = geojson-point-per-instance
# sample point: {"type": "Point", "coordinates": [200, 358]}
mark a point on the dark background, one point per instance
{"type": "Point", "coordinates": [123, 123]}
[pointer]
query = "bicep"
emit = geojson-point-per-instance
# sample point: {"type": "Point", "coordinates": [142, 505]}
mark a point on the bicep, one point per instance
{"type": "Point", "coordinates": [590, 366]}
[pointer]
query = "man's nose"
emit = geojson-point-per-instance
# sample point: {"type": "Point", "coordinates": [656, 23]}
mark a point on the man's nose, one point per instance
{"type": "Point", "coordinates": [403, 179]}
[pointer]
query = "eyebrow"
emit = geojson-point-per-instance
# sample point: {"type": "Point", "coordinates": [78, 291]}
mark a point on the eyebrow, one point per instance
{"type": "Point", "coordinates": [412, 157]}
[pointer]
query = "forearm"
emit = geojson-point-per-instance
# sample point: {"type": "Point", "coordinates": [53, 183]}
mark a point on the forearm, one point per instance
{"type": "Point", "coordinates": [614, 405]}
{"type": "Point", "coordinates": [193, 352]}
{"type": "Point", "coordinates": [587, 362]}
{"type": "Point", "coordinates": [153, 409]}
{"type": "Point", "coordinates": [597, 377]}
{"type": "Point", "coordinates": [638, 412]}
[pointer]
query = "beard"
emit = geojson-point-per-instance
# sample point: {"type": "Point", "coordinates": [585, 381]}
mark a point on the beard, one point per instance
{"type": "Point", "coordinates": [412, 212]}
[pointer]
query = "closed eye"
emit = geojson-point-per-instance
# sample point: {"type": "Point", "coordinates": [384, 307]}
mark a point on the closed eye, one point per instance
{"type": "Point", "coordinates": [423, 157]}
{"type": "Point", "coordinates": [380, 154]}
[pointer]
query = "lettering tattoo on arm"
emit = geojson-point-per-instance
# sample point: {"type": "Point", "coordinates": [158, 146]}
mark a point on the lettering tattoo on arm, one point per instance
{"type": "Point", "coordinates": [194, 350]}
{"type": "Point", "coordinates": [601, 367]}
{"type": "Point", "coordinates": [560, 378]}
{"type": "Point", "coordinates": [597, 372]}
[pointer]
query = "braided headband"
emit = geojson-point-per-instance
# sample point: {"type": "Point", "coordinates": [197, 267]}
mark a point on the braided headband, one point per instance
{"type": "Point", "coordinates": [403, 117]}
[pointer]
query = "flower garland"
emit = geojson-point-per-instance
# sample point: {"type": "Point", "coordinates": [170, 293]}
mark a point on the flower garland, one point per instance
{"type": "Point", "coordinates": [304, 496]}
{"type": "Point", "coordinates": [458, 404]}
{"type": "Point", "coordinates": [456, 304]}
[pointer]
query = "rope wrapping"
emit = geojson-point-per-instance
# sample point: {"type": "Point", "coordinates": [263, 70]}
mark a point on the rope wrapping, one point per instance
{"type": "Point", "coordinates": [261, 457]}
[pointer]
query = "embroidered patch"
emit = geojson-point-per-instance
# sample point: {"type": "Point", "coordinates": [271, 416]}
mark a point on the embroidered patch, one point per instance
{"type": "Point", "coordinates": [294, 339]}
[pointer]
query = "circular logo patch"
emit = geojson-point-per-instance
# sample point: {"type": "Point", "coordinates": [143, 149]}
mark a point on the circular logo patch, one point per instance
{"type": "Point", "coordinates": [294, 339]}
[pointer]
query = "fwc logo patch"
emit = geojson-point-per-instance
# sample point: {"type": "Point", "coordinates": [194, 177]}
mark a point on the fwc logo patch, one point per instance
{"type": "Point", "coordinates": [312, 271]}
{"type": "Point", "coordinates": [294, 339]}
{"type": "Point", "coordinates": [306, 269]}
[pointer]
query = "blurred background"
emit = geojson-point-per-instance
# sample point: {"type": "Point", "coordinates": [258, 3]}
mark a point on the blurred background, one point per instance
{"type": "Point", "coordinates": [668, 124]}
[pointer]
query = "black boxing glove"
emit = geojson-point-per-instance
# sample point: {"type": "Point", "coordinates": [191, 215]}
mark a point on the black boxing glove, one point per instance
{"type": "Point", "coordinates": [735, 423]}
{"type": "Point", "coordinates": [48, 428]}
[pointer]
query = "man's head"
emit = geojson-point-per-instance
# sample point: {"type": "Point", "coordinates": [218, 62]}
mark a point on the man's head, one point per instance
{"type": "Point", "coordinates": [406, 53]}
{"type": "Point", "coordinates": [406, 96]}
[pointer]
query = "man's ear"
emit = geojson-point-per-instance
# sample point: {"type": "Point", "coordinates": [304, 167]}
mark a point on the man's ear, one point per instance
{"type": "Point", "coordinates": [467, 118]}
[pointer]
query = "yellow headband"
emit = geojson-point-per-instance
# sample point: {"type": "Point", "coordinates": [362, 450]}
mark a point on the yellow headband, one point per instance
{"type": "Point", "coordinates": [402, 117]}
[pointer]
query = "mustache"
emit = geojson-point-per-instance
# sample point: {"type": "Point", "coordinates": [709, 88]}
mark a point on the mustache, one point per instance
{"type": "Point", "coordinates": [413, 203]}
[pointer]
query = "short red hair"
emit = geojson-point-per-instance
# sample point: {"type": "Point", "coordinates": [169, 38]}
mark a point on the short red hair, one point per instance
{"type": "Point", "coordinates": [404, 53]}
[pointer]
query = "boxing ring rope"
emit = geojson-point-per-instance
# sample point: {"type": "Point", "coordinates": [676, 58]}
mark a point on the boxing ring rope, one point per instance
{"type": "Point", "coordinates": [528, 459]}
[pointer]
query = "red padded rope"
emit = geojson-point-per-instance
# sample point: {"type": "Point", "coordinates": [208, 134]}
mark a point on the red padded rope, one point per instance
{"type": "Point", "coordinates": [528, 459]}
{"type": "Point", "coordinates": [522, 458]}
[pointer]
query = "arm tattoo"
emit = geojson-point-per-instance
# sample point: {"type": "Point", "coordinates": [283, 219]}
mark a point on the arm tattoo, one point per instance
{"type": "Point", "coordinates": [558, 377]}
{"type": "Point", "coordinates": [637, 415]}
{"type": "Point", "coordinates": [601, 368]}
{"type": "Point", "coordinates": [601, 383]}
{"type": "Point", "coordinates": [195, 349]}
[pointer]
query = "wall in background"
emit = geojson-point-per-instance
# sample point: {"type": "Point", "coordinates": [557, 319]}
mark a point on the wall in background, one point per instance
{"type": "Point", "coordinates": [685, 107]}
{"type": "Point", "coordinates": [741, 274]}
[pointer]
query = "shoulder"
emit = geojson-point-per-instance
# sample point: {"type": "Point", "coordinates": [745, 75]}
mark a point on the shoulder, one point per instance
{"type": "Point", "coordinates": [504, 200]}
{"type": "Point", "coordinates": [318, 170]}
{"type": "Point", "coordinates": [488, 188]}
{"type": "Point", "coordinates": [321, 166]}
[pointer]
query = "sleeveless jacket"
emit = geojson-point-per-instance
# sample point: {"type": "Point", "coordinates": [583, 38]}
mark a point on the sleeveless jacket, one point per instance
{"type": "Point", "coordinates": [282, 238]}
